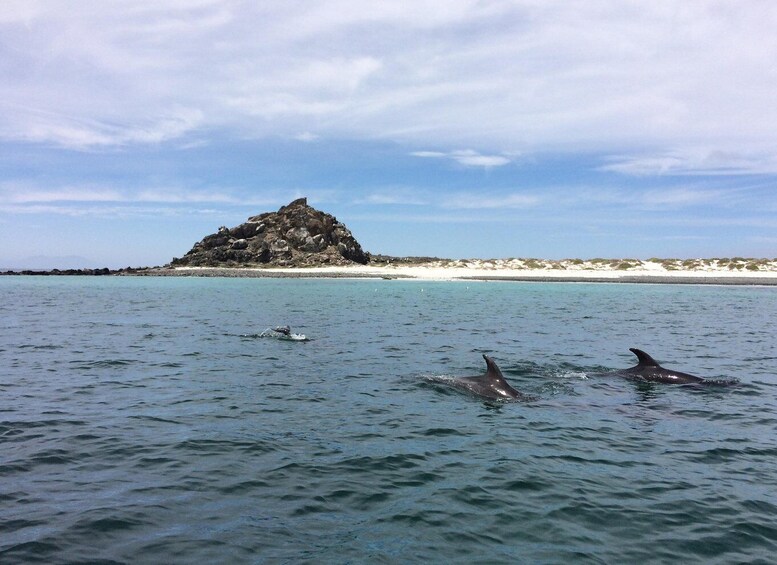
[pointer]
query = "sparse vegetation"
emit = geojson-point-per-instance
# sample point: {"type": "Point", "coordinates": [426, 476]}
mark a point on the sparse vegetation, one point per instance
{"type": "Point", "coordinates": [532, 264]}
{"type": "Point", "coordinates": [669, 264]}
{"type": "Point", "coordinates": [595, 264]}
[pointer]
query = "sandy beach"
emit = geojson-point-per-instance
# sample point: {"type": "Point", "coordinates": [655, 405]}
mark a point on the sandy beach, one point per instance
{"type": "Point", "coordinates": [702, 271]}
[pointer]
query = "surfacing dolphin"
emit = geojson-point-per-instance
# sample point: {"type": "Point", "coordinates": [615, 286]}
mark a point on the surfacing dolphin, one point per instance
{"type": "Point", "coordinates": [492, 385]}
{"type": "Point", "coordinates": [648, 369]}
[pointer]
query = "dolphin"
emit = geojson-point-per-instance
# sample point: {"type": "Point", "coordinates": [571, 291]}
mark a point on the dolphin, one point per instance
{"type": "Point", "coordinates": [648, 369]}
{"type": "Point", "coordinates": [492, 385]}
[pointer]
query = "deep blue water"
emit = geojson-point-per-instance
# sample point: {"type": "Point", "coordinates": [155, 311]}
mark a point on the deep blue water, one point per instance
{"type": "Point", "coordinates": [142, 420]}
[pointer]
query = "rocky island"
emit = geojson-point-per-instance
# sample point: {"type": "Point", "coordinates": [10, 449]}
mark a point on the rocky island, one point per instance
{"type": "Point", "coordinates": [299, 241]}
{"type": "Point", "coordinates": [297, 235]}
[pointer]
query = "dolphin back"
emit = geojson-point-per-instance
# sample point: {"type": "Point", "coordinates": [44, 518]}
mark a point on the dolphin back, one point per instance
{"type": "Point", "coordinates": [645, 360]}
{"type": "Point", "coordinates": [494, 381]}
{"type": "Point", "coordinates": [491, 385]}
{"type": "Point", "coordinates": [492, 371]}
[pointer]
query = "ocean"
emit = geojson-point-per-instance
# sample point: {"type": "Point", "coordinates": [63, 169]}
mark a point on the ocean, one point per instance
{"type": "Point", "coordinates": [148, 420]}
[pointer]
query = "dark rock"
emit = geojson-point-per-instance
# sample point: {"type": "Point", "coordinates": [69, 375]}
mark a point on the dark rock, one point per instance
{"type": "Point", "coordinates": [297, 235]}
{"type": "Point", "coordinates": [244, 231]}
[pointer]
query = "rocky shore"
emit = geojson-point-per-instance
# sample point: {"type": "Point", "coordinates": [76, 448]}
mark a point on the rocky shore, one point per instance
{"type": "Point", "coordinates": [299, 241]}
{"type": "Point", "coordinates": [76, 272]}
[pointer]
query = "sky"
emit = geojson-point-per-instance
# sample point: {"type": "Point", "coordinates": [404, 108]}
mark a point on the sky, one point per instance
{"type": "Point", "coordinates": [450, 128]}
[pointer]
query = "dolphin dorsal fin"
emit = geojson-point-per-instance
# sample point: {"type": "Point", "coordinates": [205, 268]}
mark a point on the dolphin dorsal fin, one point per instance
{"type": "Point", "coordinates": [644, 358]}
{"type": "Point", "coordinates": [492, 371]}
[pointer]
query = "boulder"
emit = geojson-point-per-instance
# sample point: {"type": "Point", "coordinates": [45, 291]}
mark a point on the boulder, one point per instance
{"type": "Point", "coordinates": [296, 235]}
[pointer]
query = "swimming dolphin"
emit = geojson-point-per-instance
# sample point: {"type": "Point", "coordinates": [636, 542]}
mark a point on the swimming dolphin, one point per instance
{"type": "Point", "coordinates": [648, 369]}
{"type": "Point", "coordinates": [492, 385]}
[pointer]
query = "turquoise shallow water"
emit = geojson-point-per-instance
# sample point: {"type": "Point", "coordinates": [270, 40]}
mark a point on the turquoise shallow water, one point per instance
{"type": "Point", "coordinates": [142, 420]}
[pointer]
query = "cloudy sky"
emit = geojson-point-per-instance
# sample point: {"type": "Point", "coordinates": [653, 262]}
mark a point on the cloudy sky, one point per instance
{"type": "Point", "coordinates": [456, 128]}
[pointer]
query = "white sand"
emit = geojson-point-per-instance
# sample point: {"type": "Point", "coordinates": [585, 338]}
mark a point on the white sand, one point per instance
{"type": "Point", "coordinates": [703, 270]}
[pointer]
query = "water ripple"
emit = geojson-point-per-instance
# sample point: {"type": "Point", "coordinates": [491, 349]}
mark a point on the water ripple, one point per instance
{"type": "Point", "coordinates": [148, 424]}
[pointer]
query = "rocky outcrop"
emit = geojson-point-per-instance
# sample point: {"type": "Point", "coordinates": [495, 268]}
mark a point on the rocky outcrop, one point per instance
{"type": "Point", "coordinates": [297, 235]}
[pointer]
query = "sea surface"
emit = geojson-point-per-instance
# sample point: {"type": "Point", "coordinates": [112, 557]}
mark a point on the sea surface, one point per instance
{"type": "Point", "coordinates": [145, 420]}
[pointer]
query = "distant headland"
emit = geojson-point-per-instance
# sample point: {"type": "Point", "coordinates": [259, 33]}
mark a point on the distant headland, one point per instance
{"type": "Point", "coordinates": [299, 241]}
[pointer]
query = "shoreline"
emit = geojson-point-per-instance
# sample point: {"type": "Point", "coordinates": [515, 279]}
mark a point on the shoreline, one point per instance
{"type": "Point", "coordinates": [737, 271]}
{"type": "Point", "coordinates": [474, 274]}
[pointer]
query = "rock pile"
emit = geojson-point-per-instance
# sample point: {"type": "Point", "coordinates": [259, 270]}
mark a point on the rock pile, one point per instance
{"type": "Point", "coordinates": [297, 235]}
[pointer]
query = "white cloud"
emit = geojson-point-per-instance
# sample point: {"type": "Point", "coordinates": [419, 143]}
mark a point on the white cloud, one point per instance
{"type": "Point", "coordinates": [19, 11]}
{"type": "Point", "coordinates": [109, 201]}
{"type": "Point", "coordinates": [680, 197]}
{"type": "Point", "coordinates": [477, 201]}
{"type": "Point", "coordinates": [307, 137]}
{"type": "Point", "coordinates": [177, 196]}
{"type": "Point", "coordinates": [25, 194]}
{"type": "Point", "coordinates": [431, 154]}
{"type": "Point", "coordinates": [102, 211]}
{"type": "Point", "coordinates": [426, 218]}
{"type": "Point", "coordinates": [695, 161]}
{"type": "Point", "coordinates": [466, 200]}
{"type": "Point", "coordinates": [466, 157]}
{"type": "Point", "coordinates": [399, 196]}
{"type": "Point", "coordinates": [50, 127]}
{"type": "Point", "coordinates": [604, 76]}
{"type": "Point", "coordinates": [471, 158]}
